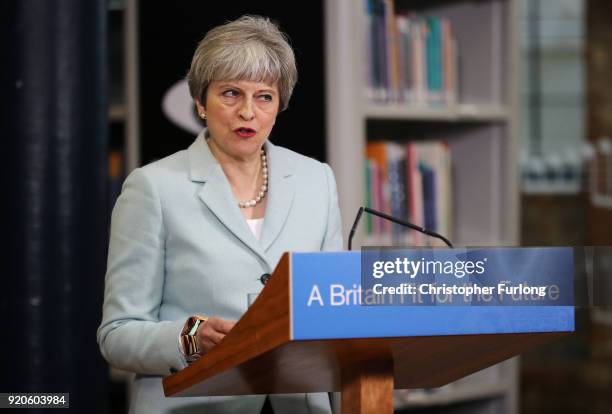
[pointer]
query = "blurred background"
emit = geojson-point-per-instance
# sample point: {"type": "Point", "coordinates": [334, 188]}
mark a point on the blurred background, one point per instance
{"type": "Point", "coordinates": [489, 121]}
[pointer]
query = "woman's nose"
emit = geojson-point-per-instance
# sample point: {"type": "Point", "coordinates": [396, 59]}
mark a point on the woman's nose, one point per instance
{"type": "Point", "coordinates": [246, 110]}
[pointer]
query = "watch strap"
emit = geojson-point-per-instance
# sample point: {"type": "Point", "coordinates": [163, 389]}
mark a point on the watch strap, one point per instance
{"type": "Point", "coordinates": [188, 337]}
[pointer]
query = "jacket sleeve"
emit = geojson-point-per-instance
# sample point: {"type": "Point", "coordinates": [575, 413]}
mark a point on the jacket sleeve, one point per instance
{"type": "Point", "coordinates": [333, 233]}
{"type": "Point", "coordinates": [131, 336]}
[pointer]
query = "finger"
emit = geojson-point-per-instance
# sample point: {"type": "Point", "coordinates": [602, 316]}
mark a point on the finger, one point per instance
{"type": "Point", "coordinates": [207, 331]}
{"type": "Point", "coordinates": [221, 325]}
{"type": "Point", "coordinates": [214, 336]}
{"type": "Point", "coordinates": [207, 337]}
{"type": "Point", "coordinates": [225, 326]}
{"type": "Point", "coordinates": [206, 345]}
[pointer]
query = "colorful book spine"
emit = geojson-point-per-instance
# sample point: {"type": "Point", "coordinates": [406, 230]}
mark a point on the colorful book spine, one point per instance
{"type": "Point", "coordinates": [419, 79]}
{"type": "Point", "coordinates": [392, 49]}
{"type": "Point", "coordinates": [377, 153]}
{"type": "Point", "coordinates": [369, 200]}
{"type": "Point", "coordinates": [449, 64]}
{"type": "Point", "coordinates": [396, 158]}
{"type": "Point", "coordinates": [414, 192]}
{"type": "Point", "coordinates": [434, 60]}
{"type": "Point", "coordinates": [430, 202]}
{"type": "Point", "coordinates": [405, 58]}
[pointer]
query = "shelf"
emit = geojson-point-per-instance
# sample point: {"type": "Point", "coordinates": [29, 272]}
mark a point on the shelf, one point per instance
{"type": "Point", "coordinates": [457, 113]}
{"type": "Point", "coordinates": [451, 395]}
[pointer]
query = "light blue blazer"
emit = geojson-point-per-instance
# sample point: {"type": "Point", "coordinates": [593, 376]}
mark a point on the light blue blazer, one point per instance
{"type": "Point", "coordinates": [180, 246]}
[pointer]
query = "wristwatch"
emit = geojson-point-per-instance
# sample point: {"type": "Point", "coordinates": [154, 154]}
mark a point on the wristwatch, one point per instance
{"type": "Point", "coordinates": [188, 338]}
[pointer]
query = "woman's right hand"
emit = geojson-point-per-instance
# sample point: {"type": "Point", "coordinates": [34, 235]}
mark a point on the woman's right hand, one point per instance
{"type": "Point", "coordinates": [211, 332]}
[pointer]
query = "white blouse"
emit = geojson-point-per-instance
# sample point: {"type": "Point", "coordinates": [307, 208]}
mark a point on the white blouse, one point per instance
{"type": "Point", "coordinates": [255, 225]}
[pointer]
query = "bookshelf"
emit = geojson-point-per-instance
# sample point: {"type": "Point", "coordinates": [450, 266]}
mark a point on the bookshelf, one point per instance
{"type": "Point", "coordinates": [480, 127]}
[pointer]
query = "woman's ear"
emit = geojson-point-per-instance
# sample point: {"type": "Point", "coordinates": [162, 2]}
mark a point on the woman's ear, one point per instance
{"type": "Point", "coordinates": [200, 108]}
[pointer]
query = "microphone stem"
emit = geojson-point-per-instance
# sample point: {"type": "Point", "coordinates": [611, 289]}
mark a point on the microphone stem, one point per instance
{"type": "Point", "coordinates": [403, 223]}
{"type": "Point", "coordinates": [354, 228]}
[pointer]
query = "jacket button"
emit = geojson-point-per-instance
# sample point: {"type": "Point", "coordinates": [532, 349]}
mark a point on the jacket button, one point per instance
{"type": "Point", "coordinates": [264, 278]}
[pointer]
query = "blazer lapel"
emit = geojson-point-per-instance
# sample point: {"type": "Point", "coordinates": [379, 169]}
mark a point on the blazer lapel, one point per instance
{"type": "Point", "coordinates": [280, 195]}
{"type": "Point", "coordinates": [216, 193]}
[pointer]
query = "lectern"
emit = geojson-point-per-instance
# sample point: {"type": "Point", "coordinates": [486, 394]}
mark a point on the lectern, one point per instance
{"type": "Point", "coordinates": [309, 330]}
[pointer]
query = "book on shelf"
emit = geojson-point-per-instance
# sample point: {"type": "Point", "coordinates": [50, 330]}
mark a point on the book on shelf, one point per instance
{"type": "Point", "coordinates": [411, 59]}
{"type": "Point", "coordinates": [410, 181]}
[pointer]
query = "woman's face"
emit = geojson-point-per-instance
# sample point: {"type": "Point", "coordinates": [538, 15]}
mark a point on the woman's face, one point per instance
{"type": "Point", "coordinates": [240, 116]}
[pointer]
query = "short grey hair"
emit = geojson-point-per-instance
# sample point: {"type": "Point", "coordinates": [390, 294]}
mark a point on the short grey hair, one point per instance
{"type": "Point", "coordinates": [249, 48]}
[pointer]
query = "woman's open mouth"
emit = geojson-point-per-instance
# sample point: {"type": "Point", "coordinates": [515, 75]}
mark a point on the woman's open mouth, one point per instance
{"type": "Point", "coordinates": [245, 132]}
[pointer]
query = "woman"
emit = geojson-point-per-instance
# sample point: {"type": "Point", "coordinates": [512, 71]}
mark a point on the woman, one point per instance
{"type": "Point", "coordinates": [192, 233]}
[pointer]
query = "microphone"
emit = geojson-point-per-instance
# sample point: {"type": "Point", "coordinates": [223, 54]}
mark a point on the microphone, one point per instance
{"type": "Point", "coordinates": [395, 220]}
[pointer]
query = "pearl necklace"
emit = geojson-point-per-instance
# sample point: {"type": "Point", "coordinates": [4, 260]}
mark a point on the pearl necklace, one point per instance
{"type": "Point", "coordinates": [264, 187]}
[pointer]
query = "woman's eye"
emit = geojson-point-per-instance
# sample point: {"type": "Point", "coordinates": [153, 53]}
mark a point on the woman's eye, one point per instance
{"type": "Point", "coordinates": [266, 97]}
{"type": "Point", "coordinates": [230, 93]}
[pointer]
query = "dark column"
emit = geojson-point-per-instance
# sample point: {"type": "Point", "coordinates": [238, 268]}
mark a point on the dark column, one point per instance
{"type": "Point", "coordinates": [53, 83]}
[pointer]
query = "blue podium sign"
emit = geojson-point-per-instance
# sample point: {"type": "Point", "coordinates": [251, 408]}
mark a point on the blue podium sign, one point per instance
{"type": "Point", "coordinates": [466, 291]}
